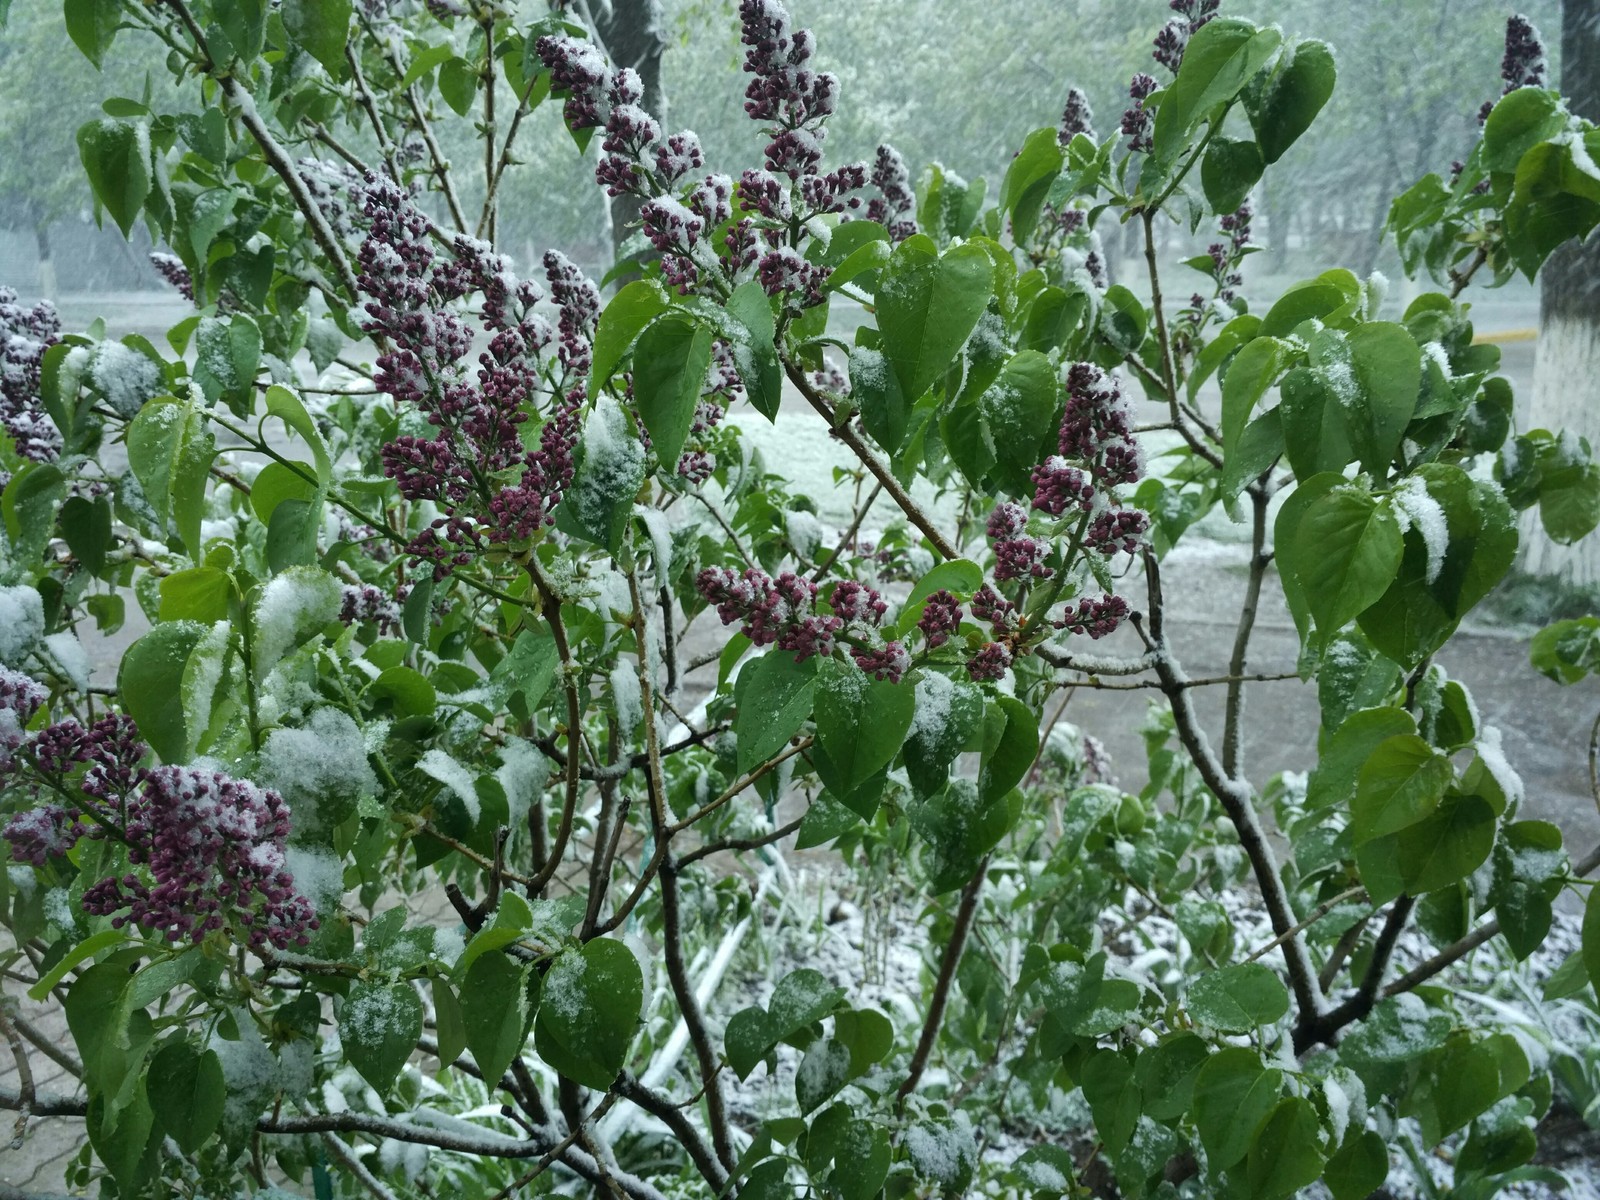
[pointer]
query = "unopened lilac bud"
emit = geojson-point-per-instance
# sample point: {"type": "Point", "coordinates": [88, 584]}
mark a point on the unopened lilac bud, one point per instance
{"type": "Point", "coordinates": [579, 69]}
{"type": "Point", "coordinates": [1525, 63]}
{"type": "Point", "coordinates": [1097, 618]}
{"type": "Point", "coordinates": [677, 156]}
{"type": "Point", "coordinates": [170, 267]}
{"type": "Point", "coordinates": [941, 617]}
{"type": "Point", "coordinates": [890, 662]}
{"type": "Point", "coordinates": [1077, 117]}
{"type": "Point", "coordinates": [855, 601]}
{"type": "Point", "coordinates": [990, 664]}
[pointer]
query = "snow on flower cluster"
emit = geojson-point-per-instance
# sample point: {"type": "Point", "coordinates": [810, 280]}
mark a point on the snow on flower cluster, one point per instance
{"type": "Point", "coordinates": [25, 335]}
{"type": "Point", "coordinates": [782, 612]}
{"type": "Point", "coordinates": [208, 852]}
{"type": "Point", "coordinates": [476, 466]}
{"type": "Point", "coordinates": [687, 216]}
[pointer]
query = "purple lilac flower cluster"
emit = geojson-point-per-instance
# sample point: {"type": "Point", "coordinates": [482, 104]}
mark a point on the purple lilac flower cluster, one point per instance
{"type": "Point", "coordinates": [1097, 454]}
{"type": "Point", "coordinates": [785, 90]}
{"type": "Point", "coordinates": [363, 603]}
{"type": "Point", "coordinates": [1097, 618]}
{"type": "Point", "coordinates": [215, 848]}
{"type": "Point", "coordinates": [1137, 121]}
{"type": "Point", "coordinates": [1017, 555]}
{"type": "Point", "coordinates": [1174, 37]}
{"type": "Point", "coordinates": [1077, 117]}
{"type": "Point", "coordinates": [772, 611]}
{"type": "Point", "coordinates": [475, 466]}
{"type": "Point", "coordinates": [25, 335]}
{"type": "Point", "coordinates": [212, 848]}
{"type": "Point", "coordinates": [723, 388]}
{"type": "Point", "coordinates": [941, 617]}
{"type": "Point", "coordinates": [1226, 256]}
{"type": "Point", "coordinates": [170, 267]}
{"type": "Point", "coordinates": [895, 204]}
{"type": "Point", "coordinates": [782, 612]}
{"type": "Point", "coordinates": [681, 210]}
{"type": "Point", "coordinates": [1097, 435]}
{"type": "Point", "coordinates": [1524, 64]}
{"type": "Point", "coordinates": [994, 658]}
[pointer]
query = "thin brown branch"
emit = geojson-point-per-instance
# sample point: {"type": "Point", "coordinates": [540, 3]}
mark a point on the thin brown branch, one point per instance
{"type": "Point", "coordinates": [1236, 797]}
{"type": "Point", "coordinates": [1232, 720]}
{"type": "Point", "coordinates": [733, 844]}
{"type": "Point", "coordinates": [849, 534]}
{"type": "Point", "coordinates": [369, 105]}
{"type": "Point", "coordinates": [1456, 951]}
{"type": "Point", "coordinates": [550, 605]}
{"type": "Point", "coordinates": [50, 1047]}
{"type": "Point", "coordinates": [869, 459]}
{"type": "Point", "coordinates": [738, 786]}
{"type": "Point", "coordinates": [940, 998]}
{"type": "Point", "coordinates": [440, 164]}
{"type": "Point", "coordinates": [25, 1089]}
{"type": "Point", "coordinates": [1315, 915]}
{"type": "Point", "coordinates": [1314, 1028]}
{"type": "Point", "coordinates": [345, 1157]}
{"type": "Point", "coordinates": [673, 1117]}
{"type": "Point", "coordinates": [1169, 375]}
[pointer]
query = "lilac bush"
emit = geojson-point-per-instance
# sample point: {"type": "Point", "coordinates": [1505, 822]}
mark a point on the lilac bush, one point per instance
{"type": "Point", "coordinates": [453, 819]}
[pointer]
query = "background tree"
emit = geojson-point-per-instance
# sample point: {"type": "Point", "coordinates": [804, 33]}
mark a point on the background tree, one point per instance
{"type": "Point", "coordinates": [1566, 382]}
{"type": "Point", "coordinates": [47, 90]}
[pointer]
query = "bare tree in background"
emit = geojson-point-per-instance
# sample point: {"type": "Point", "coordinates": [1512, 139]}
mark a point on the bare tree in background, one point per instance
{"type": "Point", "coordinates": [1566, 380]}
{"type": "Point", "coordinates": [633, 34]}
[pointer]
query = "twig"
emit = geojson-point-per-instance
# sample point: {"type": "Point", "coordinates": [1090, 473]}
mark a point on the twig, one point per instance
{"type": "Point", "coordinates": [370, 106]}
{"type": "Point", "coordinates": [550, 605]}
{"type": "Point", "coordinates": [1156, 684]}
{"type": "Point", "coordinates": [493, 182]}
{"type": "Point", "coordinates": [1259, 559]}
{"type": "Point", "coordinates": [671, 913]}
{"type": "Point", "coordinates": [278, 159]}
{"type": "Point", "coordinates": [1456, 951]}
{"type": "Point", "coordinates": [1234, 793]}
{"type": "Point", "coordinates": [1169, 377]}
{"type": "Point", "coordinates": [1342, 950]}
{"type": "Point", "coordinates": [751, 843]}
{"type": "Point", "coordinates": [673, 1117]}
{"type": "Point", "coordinates": [1324, 1027]}
{"type": "Point", "coordinates": [50, 1047]}
{"type": "Point", "coordinates": [885, 477]}
{"type": "Point", "coordinates": [488, 228]}
{"type": "Point", "coordinates": [441, 165]}
{"type": "Point", "coordinates": [556, 1151]}
{"type": "Point", "coordinates": [849, 534]}
{"type": "Point", "coordinates": [1316, 914]}
{"type": "Point", "coordinates": [25, 1091]}
{"type": "Point", "coordinates": [739, 785]}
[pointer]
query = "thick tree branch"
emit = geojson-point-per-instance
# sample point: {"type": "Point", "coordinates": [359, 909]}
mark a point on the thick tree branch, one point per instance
{"type": "Point", "coordinates": [937, 1002]}
{"type": "Point", "coordinates": [674, 1118]}
{"type": "Point", "coordinates": [1236, 798]}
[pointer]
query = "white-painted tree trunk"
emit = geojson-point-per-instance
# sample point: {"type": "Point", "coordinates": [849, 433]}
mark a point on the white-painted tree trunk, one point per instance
{"type": "Point", "coordinates": [1566, 395]}
{"type": "Point", "coordinates": [1566, 376]}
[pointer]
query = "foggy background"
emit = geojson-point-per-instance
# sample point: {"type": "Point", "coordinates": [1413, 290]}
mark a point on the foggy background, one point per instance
{"type": "Point", "coordinates": [957, 83]}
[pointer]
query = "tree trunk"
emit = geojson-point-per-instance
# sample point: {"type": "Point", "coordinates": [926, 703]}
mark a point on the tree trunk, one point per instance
{"type": "Point", "coordinates": [1566, 379]}
{"type": "Point", "coordinates": [47, 262]}
{"type": "Point", "coordinates": [634, 35]}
